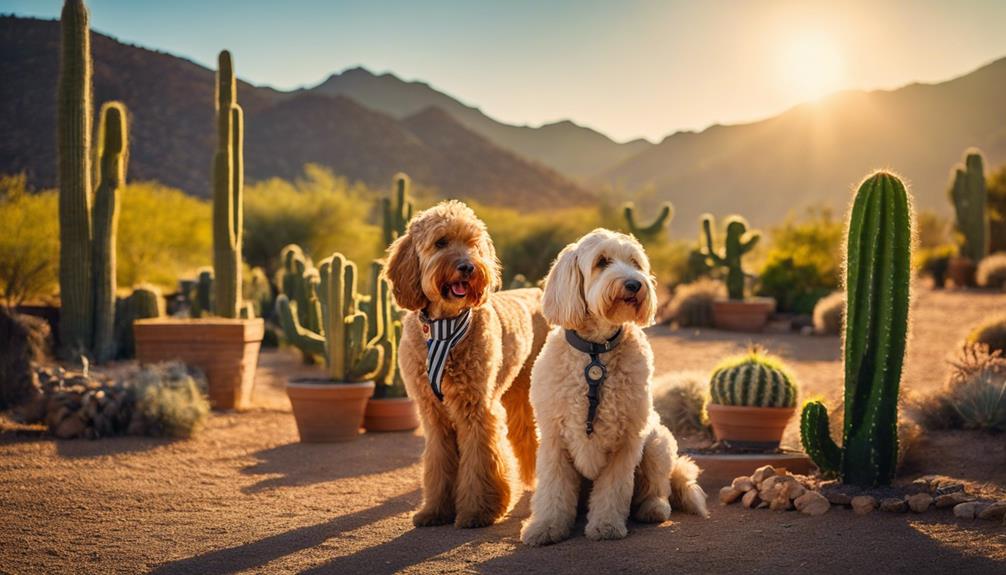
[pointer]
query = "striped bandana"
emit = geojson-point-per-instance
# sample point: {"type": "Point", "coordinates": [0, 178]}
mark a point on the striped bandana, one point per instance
{"type": "Point", "coordinates": [441, 336]}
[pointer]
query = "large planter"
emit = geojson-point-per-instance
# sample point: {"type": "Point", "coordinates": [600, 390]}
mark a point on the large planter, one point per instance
{"type": "Point", "coordinates": [391, 414]}
{"type": "Point", "coordinates": [328, 411]}
{"type": "Point", "coordinates": [226, 350]}
{"type": "Point", "coordinates": [742, 315]}
{"type": "Point", "coordinates": [749, 427]}
{"type": "Point", "coordinates": [962, 271]}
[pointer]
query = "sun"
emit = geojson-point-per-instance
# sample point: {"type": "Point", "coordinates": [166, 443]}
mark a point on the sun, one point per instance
{"type": "Point", "coordinates": [812, 65]}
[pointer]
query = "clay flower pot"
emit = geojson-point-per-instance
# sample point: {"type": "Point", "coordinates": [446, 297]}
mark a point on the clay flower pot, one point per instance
{"type": "Point", "coordinates": [750, 314]}
{"type": "Point", "coordinates": [753, 427]}
{"type": "Point", "coordinates": [391, 414]}
{"type": "Point", "coordinates": [226, 350]}
{"type": "Point", "coordinates": [962, 271]}
{"type": "Point", "coordinates": [326, 410]}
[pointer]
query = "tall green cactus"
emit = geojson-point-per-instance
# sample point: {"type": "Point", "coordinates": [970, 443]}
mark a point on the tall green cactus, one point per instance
{"type": "Point", "coordinates": [74, 125]}
{"type": "Point", "coordinates": [228, 189]}
{"type": "Point", "coordinates": [878, 271]}
{"type": "Point", "coordinates": [343, 339]}
{"type": "Point", "coordinates": [113, 147]}
{"type": "Point", "coordinates": [651, 232]}
{"type": "Point", "coordinates": [396, 210]}
{"type": "Point", "coordinates": [970, 203]}
{"type": "Point", "coordinates": [739, 242]}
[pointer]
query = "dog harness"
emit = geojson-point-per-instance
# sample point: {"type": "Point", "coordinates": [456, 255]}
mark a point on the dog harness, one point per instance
{"type": "Point", "coordinates": [441, 336]}
{"type": "Point", "coordinates": [596, 371]}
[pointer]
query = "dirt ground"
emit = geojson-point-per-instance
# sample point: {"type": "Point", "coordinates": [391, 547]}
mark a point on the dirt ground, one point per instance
{"type": "Point", "coordinates": [245, 497]}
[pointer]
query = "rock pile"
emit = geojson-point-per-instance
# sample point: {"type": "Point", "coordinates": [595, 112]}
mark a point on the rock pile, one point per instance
{"type": "Point", "coordinates": [775, 489]}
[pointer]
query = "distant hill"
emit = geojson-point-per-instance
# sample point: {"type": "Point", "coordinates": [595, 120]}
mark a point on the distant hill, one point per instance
{"type": "Point", "coordinates": [572, 150]}
{"type": "Point", "coordinates": [171, 106]}
{"type": "Point", "coordinates": [814, 153]}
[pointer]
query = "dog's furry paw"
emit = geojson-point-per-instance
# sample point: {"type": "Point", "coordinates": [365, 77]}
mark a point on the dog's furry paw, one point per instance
{"type": "Point", "coordinates": [537, 533]}
{"type": "Point", "coordinates": [598, 530]}
{"type": "Point", "coordinates": [431, 518]}
{"type": "Point", "coordinates": [475, 520]}
{"type": "Point", "coordinates": [653, 510]}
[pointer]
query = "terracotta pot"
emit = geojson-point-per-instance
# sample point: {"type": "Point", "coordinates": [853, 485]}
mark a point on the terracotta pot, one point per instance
{"type": "Point", "coordinates": [742, 426]}
{"type": "Point", "coordinates": [327, 410]}
{"type": "Point", "coordinates": [391, 414]}
{"type": "Point", "coordinates": [742, 315]}
{"type": "Point", "coordinates": [962, 271]}
{"type": "Point", "coordinates": [226, 350]}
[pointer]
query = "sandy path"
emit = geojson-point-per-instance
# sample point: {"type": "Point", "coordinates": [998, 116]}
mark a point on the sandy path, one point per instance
{"type": "Point", "coordinates": [244, 496]}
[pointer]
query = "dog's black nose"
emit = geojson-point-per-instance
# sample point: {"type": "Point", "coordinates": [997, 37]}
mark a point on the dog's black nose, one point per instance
{"type": "Point", "coordinates": [633, 285]}
{"type": "Point", "coordinates": [466, 268]}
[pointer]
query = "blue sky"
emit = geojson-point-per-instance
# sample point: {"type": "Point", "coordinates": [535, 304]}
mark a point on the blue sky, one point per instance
{"type": "Point", "coordinates": [627, 68]}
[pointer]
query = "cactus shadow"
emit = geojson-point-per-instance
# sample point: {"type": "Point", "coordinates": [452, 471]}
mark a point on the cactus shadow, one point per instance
{"type": "Point", "coordinates": [302, 464]}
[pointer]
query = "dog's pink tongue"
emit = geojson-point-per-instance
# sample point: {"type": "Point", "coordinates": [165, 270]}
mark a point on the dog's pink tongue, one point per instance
{"type": "Point", "coordinates": [458, 289]}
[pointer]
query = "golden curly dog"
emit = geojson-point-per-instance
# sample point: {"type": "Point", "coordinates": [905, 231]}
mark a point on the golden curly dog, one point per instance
{"type": "Point", "coordinates": [444, 265]}
{"type": "Point", "coordinates": [598, 286]}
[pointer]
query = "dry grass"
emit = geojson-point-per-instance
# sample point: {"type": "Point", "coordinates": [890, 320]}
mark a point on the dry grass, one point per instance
{"type": "Point", "coordinates": [692, 304]}
{"type": "Point", "coordinates": [680, 397]}
{"type": "Point", "coordinates": [992, 271]}
{"type": "Point", "coordinates": [973, 398]}
{"type": "Point", "coordinates": [828, 314]}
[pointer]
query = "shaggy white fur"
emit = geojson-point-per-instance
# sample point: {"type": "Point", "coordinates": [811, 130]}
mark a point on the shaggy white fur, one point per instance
{"type": "Point", "coordinates": [596, 286]}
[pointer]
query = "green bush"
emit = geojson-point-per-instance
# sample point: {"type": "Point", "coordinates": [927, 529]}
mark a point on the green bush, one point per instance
{"type": "Point", "coordinates": [804, 262]}
{"type": "Point", "coordinates": [991, 333]}
{"type": "Point", "coordinates": [974, 397]}
{"type": "Point", "coordinates": [29, 242]}
{"type": "Point", "coordinates": [934, 262]}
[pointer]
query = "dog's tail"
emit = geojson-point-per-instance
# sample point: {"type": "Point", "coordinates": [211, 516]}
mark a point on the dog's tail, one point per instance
{"type": "Point", "coordinates": [685, 491]}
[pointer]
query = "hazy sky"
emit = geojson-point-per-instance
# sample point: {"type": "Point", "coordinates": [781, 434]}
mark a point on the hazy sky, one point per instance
{"type": "Point", "coordinates": [626, 68]}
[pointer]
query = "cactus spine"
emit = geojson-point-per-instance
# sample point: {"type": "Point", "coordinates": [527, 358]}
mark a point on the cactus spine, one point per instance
{"type": "Point", "coordinates": [112, 150]}
{"type": "Point", "coordinates": [228, 184]}
{"type": "Point", "coordinates": [878, 270]}
{"type": "Point", "coordinates": [396, 210]}
{"type": "Point", "coordinates": [752, 380]}
{"type": "Point", "coordinates": [738, 243]}
{"type": "Point", "coordinates": [648, 233]}
{"type": "Point", "coordinates": [970, 202]}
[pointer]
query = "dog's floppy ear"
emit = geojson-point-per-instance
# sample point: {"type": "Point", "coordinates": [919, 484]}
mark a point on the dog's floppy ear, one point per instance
{"type": "Point", "coordinates": [563, 303]}
{"type": "Point", "coordinates": [404, 274]}
{"type": "Point", "coordinates": [495, 268]}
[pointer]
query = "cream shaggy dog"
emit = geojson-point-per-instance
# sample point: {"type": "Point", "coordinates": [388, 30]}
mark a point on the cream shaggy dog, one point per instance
{"type": "Point", "coordinates": [598, 285]}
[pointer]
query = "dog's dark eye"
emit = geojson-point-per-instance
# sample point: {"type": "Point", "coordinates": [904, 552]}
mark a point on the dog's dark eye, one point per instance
{"type": "Point", "coordinates": [441, 243]}
{"type": "Point", "coordinates": [603, 262]}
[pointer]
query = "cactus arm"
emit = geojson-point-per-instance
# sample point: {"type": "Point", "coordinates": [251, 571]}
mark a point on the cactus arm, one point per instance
{"type": "Point", "coordinates": [816, 439]}
{"type": "Point", "coordinates": [708, 250]}
{"type": "Point", "coordinates": [296, 334]}
{"type": "Point", "coordinates": [750, 241]}
{"type": "Point", "coordinates": [647, 232]}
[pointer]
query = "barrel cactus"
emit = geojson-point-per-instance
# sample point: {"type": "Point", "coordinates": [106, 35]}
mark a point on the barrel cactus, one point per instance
{"type": "Point", "coordinates": [877, 284]}
{"type": "Point", "coordinates": [396, 210]}
{"type": "Point", "coordinates": [970, 200]}
{"type": "Point", "coordinates": [343, 338]}
{"type": "Point", "coordinates": [752, 380]}
{"type": "Point", "coordinates": [651, 232]}
{"type": "Point", "coordinates": [228, 190]}
{"type": "Point", "coordinates": [145, 302]}
{"type": "Point", "coordinates": [739, 242]}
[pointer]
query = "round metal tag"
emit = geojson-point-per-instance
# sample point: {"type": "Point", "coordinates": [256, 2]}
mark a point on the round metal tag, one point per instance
{"type": "Point", "coordinates": [595, 372]}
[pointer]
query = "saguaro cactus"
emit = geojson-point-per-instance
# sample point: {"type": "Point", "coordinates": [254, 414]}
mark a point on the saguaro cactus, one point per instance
{"type": "Point", "coordinates": [228, 189]}
{"type": "Point", "coordinates": [74, 122]}
{"type": "Point", "coordinates": [396, 210]}
{"type": "Point", "coordinates": [970, 203]}
{"type": "Point", "coordinates": [651, 232]}
{"type": "Point", "coordinates": [739, 242]}
{"type": "Point", "coordinates": [878, 271]}
{"type": "Point", "coordinates": [112, 153]}
{"type": "Point", "coordinates": [350, 354]}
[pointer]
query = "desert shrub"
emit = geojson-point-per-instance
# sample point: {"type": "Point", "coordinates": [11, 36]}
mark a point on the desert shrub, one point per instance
{"type": "Point", "coordinates": [24, 340]}
{"type": "Point", "coordinates": [680, 397]}
{"type": "Point", "coordinates": [992, 271]}
{"type": "Point", "coordinates": [804, 261]}
{"type": "Point", "coordinates": [974, 396]}
{"type": "Point", "coordinates": [169, 400]}
{"type": "Point", "coordinates": [991, 333]}
{"type": "Point", "coordinates": [995, 184]}
{"type": "Point", "coordinates": [828, 314]}
{"type": "Point", "coordinates": [932, 229]}
{"type": "Point", "coordinates": [692, 304]}
{"type": "Point", "coordinates": [29, 242]}
{"type": "Point", "coordinates": [934, 262]}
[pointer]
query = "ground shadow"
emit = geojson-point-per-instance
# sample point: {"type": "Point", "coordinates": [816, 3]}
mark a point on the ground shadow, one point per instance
{"type": "Point", "coordinates": [82, 448]}
{"type": "Point", "coordinates": [300, 464]}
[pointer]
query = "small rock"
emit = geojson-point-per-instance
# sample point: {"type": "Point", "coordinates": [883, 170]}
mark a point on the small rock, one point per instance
{"type": "Point", "coordinates": [812, 503]}
{"type": "Point", "coordinates": [893, 505]}
{"type": "Point", "coordinates": [994, 511]}
{"type": "Point", "coordinates": [781, 501]}
{"type": "Point", "coordinates": [728, 495]}
{"type": "Point", "coordinates": [796, 490]}
{"type": "Point", "coordinates": [968, 510]}
{"type": "Point", "coordinates": [920, 502]}
{"type": "Point", "coordinates": [762, 505]}
{"type": "Point", "coordinates": [762, 473]}
{"type": "Point", "coordinates": [836, 497]}
{"type": "Point", "coordinates": [948, 487]}
{"type": "Point", "coordinates": [953, 499]}
{"type": "Point", "coordinates": [743, 484]}
{"type": "Point", "coordinates": [750, 499]}
{"type": "Point", "coordinates": [863, 504]}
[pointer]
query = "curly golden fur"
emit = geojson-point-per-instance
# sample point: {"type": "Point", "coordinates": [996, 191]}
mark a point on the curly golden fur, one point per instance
{"type": "Point", "coordinates": [480, 441]}
{"type": "Point", "coordinates": [596, 286]}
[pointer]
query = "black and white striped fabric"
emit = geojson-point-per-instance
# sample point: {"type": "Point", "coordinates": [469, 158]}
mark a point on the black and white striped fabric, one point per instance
{"type": "Point", "coordinates": [441, 336]}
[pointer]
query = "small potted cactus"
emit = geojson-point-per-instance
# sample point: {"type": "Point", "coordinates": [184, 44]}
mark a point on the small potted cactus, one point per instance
{"type": "Point", "coordinates": [969, 197]}
{"type": "Point", "coordinates": [737, 313]}
{"type": "Point", "coordinates": [356, 350]}
{"type": "Point", "coordinates": [751, 400]}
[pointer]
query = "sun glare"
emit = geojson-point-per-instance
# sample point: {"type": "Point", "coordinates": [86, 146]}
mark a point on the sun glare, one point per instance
{"type": "Point", "coordinates": [812, 65]}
